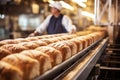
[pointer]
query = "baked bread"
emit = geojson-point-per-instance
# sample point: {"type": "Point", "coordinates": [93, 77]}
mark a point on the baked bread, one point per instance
{"type": "Point", "coordinates": [48, 41]}
{"type": "Point", "coordinates": [4, 52]}
{"type": "Point", "coordinates": [14, 48]}
{"type": "Point", "coordinates": [78, 43]}
{"type": "Point", "coordinates": [55, 39]}
{"type": "Point", "coordinates": [83, 41]}
{"type": "Point", "coordinates": [64, 38]}
{"type": "Point", "coordinates": [21, 40]}
{"type": "Point", "coordinates": [55, 55]}
{"type": "Point", "coordinates": [63, 48]}
{"type": "Point", "coordinates": [45, 36]}
{"type": "Point", "coordinates": [9, 72]}
{"type": "Point", "coordinates": [11, 49]}
{"type": "Point", "coordinates": [43, 59]}
{"type": "Point", "coordinates": [91, 39]}
{"type": "Point", "coordinates": [29, 45]}
{"type": "Point", "coordinates": [40, 43]}
{"type": "Point", "coordinates": [29, 66]}
{"type": "Point", "coordinates": [59, 38]}
{"type": "Point", "coordinates": [32, 38]}
{"type": "Point", "coordinates": [8, 41]}
{"type": "Point", "coordinates": [72, 46]}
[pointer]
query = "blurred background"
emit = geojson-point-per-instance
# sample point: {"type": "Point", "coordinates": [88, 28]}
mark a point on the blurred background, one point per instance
{"type": "Point", "coordinates": [18, 18]}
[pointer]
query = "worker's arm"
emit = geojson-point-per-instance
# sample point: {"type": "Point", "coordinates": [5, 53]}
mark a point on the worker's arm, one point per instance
{"type": "Point", "coordinates": [40, 29]}
{"type": "Point", "coordinates": [67, 23]}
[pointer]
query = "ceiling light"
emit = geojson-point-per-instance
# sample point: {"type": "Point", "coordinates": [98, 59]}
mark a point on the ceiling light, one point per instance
{"type": "Point", "coordinates": [85, 13]}
{"type": "Point", "coordinates": [2, 16]}
{"type": "Point", "coordinates": [80, 3]}
{"type": "Point", "coordinates": [83, 0]}
{"type": "Point", "coordinates": [35, 8]}
{"type": "Point", "coordinates": [51, 1]}
{"type": "Point", "coordinates": [66, 5]}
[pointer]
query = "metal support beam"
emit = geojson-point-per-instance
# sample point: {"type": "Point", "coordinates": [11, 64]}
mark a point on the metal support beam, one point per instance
{"type": "Point", "coordinates": [109, 12]}
{"type": "Point", "coordinates": [110, 68]}
{"type": "Point", "coordinates": [104, 9]}
{"type": "Point", "coordinates": [96, 11]}
{"type": "Point", "coordinates": [99, 13]}
{"type": "Point", "coordinates": [116, 28]}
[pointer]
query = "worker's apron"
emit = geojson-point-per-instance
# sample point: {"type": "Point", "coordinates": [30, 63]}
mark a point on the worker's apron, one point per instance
{"type": "Point", "coordinates": [55, 25]}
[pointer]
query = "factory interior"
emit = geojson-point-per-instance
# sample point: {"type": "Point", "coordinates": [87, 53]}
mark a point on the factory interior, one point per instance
{"type": "Point", "coordinates": [59, 40]}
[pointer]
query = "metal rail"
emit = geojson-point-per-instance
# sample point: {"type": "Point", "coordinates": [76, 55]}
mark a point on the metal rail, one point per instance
{"type": "Point", "coordinates": [51, 74]}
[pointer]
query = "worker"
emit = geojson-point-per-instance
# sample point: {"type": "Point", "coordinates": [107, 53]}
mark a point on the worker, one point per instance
{"type": "Point", "coordinates": [56, 22]}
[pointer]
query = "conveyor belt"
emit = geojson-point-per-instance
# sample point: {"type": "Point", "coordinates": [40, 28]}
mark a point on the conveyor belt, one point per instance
{"type": "Point", "coordinates": [51, 74]}
{"type": "Point", "coordinates": [81, 69]}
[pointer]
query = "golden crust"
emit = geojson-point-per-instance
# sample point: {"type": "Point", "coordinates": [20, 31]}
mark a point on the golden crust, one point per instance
{"type": "Point", "coordinates": [9, 72]}
{"type": "Point", "coordinates": [43, 59]}
{"type": "Point", "coordinates": [29, 45]}
{"type": "Point", "coordinates": [63, 48]}
{"type": "Point", "coordinates": [29, 66]}
{"type": "Point", "coordinates": [55, 55]}
{"type": "Point", "coordinates": [14, 48]}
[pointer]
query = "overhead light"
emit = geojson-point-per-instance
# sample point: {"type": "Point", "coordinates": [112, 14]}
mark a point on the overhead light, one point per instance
{"type": "Point", "coordinates": [85, 13]}
{"type": "Point", "coordinates": [18, 1]}
{"type": "Point", "coordinates": [66, 5]}
{"type": "Point", "coordinates": [51, 1]}
{"type": "Point", "coordinates": [80, 3]}
{"type": "Point", "coordinates": [35, 8]}
{"type": "Point", "coordinates": [2, 16]}
{"type": "Point", "coordinates": [83, 0]}
{"type": "Point", "coordinates": [80, 0]}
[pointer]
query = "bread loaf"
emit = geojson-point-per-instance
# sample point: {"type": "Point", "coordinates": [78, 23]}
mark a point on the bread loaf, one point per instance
{"type": "Point", "coordinates": [9, 72]}
{"type": "Point", "coordinates": [48, 41]}
{"type": "Point", "coordinates": [55, 55]}
{"type": "Point", "coordinates": [32, 38]}
{"type": "Point", "coordinates": [54, 39]}
{"type": "Point", "coordinates": [29, 45]}
{"type": "Point", "coordinates": [4, 52]}
{"type": "Point", "coordinates": [40, 43]}
{"type": "Point", "coordinates": [59, 38]}
{"type": "Point", "coordinates": [29, 66]}
{"type": "Point", "coordinates": [72, 46]}
{"type": "Point", "coordinates": [78, 43]}
{"type": "Point", "coordinates": [64, 37]}
{"type": "Point", "coordinates": [91, 39]}
{"type": "Point", "coordinates": [21, 40]}
{"type": "Point", "coordinates": [9, 41]}
{"type": "Point", "coordinates": [43, 59]}
{"type": "Point", "coordinates": [11, 49]}
{"type": "Point", "coordinates": [63, 48]}
{"type": "Point", "coordinates": [83, 41]}
{"type": "Point", "coordinates": [14, 48]}
{"type": "Point", "coordinates": [45, 36]}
